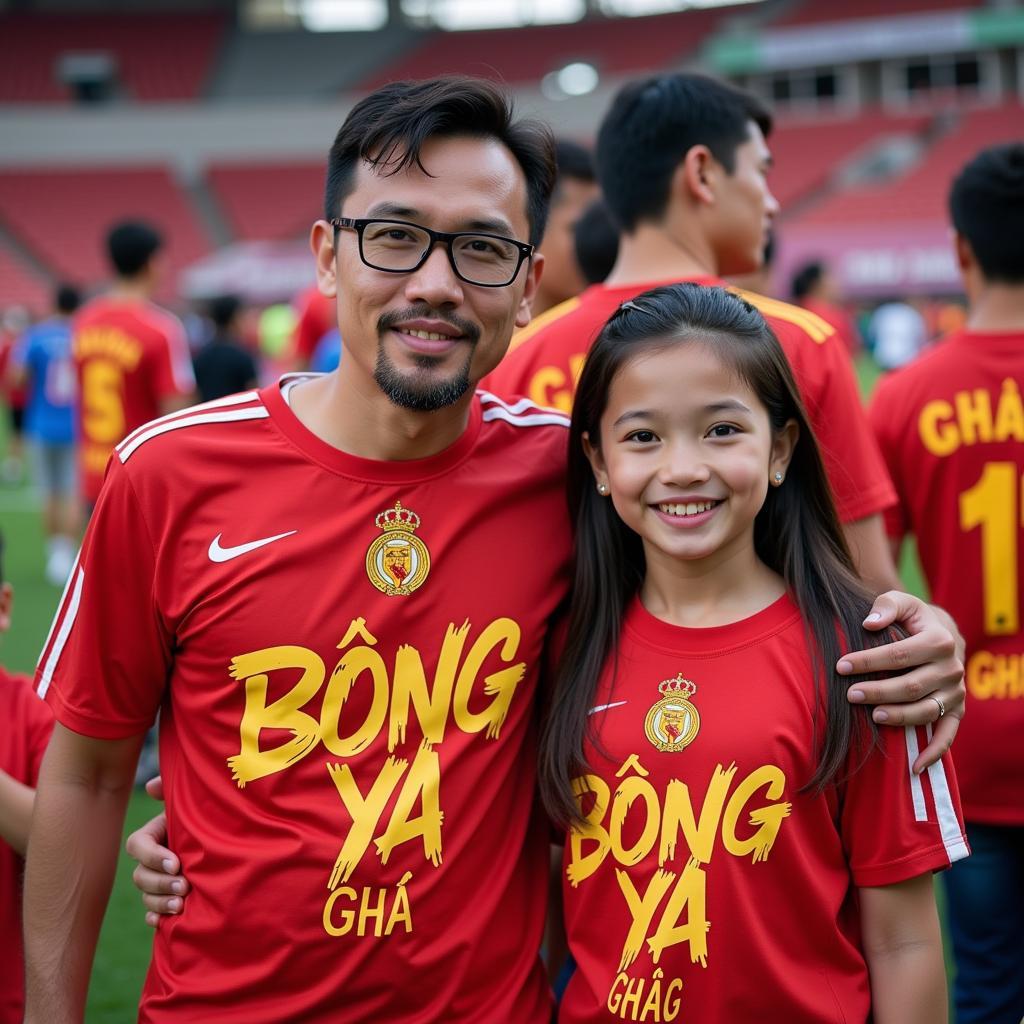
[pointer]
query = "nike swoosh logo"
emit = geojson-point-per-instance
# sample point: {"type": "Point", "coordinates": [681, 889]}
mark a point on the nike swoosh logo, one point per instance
{"type": "Point", "coordinates": [605, 707]}
{"type": "Point", "coordinates": [219, 554]}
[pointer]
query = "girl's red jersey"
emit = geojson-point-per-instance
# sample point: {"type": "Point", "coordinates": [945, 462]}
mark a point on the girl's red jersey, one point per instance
{"type": "Point", "coordinates": [706, 887]}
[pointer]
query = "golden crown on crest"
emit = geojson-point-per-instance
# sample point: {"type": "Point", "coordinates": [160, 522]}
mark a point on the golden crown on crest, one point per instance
{"type": "Point", "coordinates": [397, 518]}
{"type": "Point", "coordinates": [679, 685]}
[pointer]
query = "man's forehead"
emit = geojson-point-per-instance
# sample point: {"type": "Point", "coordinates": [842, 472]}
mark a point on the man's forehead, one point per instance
{"type": "Point", "coordinates": [473, 181]}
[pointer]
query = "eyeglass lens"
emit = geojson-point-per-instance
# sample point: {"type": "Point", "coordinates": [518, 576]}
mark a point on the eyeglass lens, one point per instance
{"type": "Point", "coordinates": [483, 259]}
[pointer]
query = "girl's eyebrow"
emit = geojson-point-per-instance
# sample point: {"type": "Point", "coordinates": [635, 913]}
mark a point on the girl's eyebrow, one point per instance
{"type": "Point", "coordinates": [727, 405]}
{"type": "Point", "coordinates": [633, 414]}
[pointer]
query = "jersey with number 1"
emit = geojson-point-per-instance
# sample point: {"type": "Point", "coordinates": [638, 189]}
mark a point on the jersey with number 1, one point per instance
{"type": "Point", "coordinates": [130, 356]}
{"type": "Point", "coordinates": [951, 427]}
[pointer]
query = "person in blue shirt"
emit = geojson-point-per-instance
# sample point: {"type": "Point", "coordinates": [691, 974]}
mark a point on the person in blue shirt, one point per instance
{"type": "Point", "coordinates": [41, 361]}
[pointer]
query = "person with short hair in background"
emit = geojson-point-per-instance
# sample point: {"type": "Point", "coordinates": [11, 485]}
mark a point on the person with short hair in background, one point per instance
{"type": "Point", "coordinates": [224, 366]}
{"type": "Point", "coordinates": [951, 427]}
{"type": "Point", "coordinates": [814, 287]}
{"type": "Point", "coordinates": [131, 356]}
{"type": "Point", "coordinates": [575, 188]}
{"type": "Point", "coordinates": [41, 364]}
{"type": "Point", "coordinates": [596, 239]}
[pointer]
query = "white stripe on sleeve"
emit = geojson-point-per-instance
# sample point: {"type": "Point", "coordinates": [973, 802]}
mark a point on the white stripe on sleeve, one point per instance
{"type": "Point", "coordinates": [259, 412]}
{"type": "Point", "coordinates": [63, 634]}
{"type": "Point", "coordinates": [952, 836]}
{"type": "Point", "coordinates": [916, 789]}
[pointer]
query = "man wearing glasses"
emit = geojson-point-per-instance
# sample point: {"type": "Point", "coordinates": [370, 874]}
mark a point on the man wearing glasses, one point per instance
{"type": "Point", "coordinates": [336, 590]}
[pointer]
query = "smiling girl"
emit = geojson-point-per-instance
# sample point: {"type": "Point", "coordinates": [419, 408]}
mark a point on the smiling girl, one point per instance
{"type": "Point", "coordinates": [743, 844]}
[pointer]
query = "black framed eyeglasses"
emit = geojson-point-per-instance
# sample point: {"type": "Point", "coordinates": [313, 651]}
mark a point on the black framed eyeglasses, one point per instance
{"type": "Point", "coordinates": [401, 247]}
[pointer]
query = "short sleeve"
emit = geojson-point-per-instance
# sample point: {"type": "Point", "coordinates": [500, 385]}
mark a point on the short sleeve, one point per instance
{"type": "Point", "coordinates": [896, 825]}
{"type": "Point", "coordinates": [106, 661]}
{"type": "Point", "coordinates": [856, 470]}
{"type": "Point", "coordinates": [885, 423]}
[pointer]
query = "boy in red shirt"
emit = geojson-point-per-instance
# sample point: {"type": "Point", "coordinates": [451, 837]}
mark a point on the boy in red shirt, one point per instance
{"type": "Point", "coordinates": [951, 427]}
{"type": "Point", "coordinates": [131, 356]}
{"type": "Point", "coordinates": [27, 724]}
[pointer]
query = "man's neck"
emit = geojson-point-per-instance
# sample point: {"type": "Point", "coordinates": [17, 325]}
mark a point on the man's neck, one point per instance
{"type": "Point", "coordinates": [998, 307]}
{"type": "Point", "coordinates": [362, 421]}
{"type": "Point", "coordinates": [125, 290]}
{"type": "Point", "coordinates": [651, 253]}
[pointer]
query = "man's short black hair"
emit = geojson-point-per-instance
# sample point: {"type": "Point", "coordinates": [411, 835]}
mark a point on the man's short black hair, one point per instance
{"type": "Point", "coordinates": [223, 309]}
{"type": "Point", "coordinates": [986, 204]}
{"type": "Point", "coordinates": [573, 161]}
{"type": "Point", "coordinates": [596, 238]}
{"type": "Point", "coordinates": [653, 124]}
{"type": "Point", "coordinates": [131, 245]}
{"type": "Point", "coordinates": [806, 279]}
{"type": "Point", "coordinates": [388, 128]}
{"type": "Point", "coordinates": [67, 299]}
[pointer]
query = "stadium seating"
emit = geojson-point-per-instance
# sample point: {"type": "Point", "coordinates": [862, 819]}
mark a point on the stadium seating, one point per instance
{"type": "Point", "coordinates": [920, 194]}
{"type": "Point", "coordinates": [528, 54]}
{"type": "Point", "coordinates": [21, 286]}
{"type": "Point", "coordinates": [62, 216]}
{"type": "Point", "coordinates": [268, 201]}
{"type": "Point", "coordinates": [158, 56]}
{"type": "Point", "coordinates": [814, 12]}
{"type": "Point", "coordinates": [809, 152]}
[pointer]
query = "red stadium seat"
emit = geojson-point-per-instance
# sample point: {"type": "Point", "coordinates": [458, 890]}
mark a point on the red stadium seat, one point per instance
{"type": "Point", "coordinates": [813, 12]}
{"type": "Point", "coordinates": [158, 56]}
{"type": "Point", "coordinates": [528, 54]}
{"type": "Point", "coordinates": [921, 193]}
{"type": "Point", "coordinates": [63, 216]}
{"type": "Point", "coordinates": [21, 286]}
{"type": "Point", "coordinates": [268, 201]}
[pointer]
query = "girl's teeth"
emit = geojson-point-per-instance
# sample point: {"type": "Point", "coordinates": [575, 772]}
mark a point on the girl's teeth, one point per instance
{"type": "Point", "coordinates": [691, 508]}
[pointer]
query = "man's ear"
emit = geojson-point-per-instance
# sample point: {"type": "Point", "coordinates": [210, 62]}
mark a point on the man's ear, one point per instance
{"type": "Point", "coordinates": [321, 241]}
{"type": "Point", "coordinates": [534, 270]}
{"type": "Point", "coordinates": [964, 253]}
{"type": "Point", "coordinates": [6, 604]}
{"type": "Point", "coordinates": [696, 175]}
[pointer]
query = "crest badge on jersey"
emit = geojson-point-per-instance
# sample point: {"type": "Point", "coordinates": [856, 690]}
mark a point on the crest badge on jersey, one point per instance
{"type": "Point", "coordinates": [398, 562]}
{"type": "Point", "coordinates": [673, 722]}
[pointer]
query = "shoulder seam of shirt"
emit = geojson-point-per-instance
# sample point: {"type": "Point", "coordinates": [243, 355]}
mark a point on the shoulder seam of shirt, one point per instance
{"type": "Point", "coordinates": [522, 413]}
{"type": "Point", "coordinates": [239, 399]}
{"type": "Point", "coordinates": [155, 429]}
{"type": "Point", "coordinates": [816, 327]}
{"type": "Point", "coordinates": [538, 323]}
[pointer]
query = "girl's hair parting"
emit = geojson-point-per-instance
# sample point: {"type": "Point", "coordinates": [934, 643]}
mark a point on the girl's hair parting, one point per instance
{"type": "Point", "coordinates": [796, 533]}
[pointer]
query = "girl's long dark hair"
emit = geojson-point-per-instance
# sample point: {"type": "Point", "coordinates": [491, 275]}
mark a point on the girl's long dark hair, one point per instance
{"type": "Point", "coordinates": [796, 533]}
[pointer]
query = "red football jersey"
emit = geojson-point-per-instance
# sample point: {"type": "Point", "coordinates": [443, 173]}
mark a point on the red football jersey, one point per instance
{"type": "Point", "coordinates": [951, 426]}
{"type": "Point", "coordinates": [545, 360]}
{"type": "Point", "coordinates": [345, 653]}
{"type": "Point", "coordinates": [315, 316]}
{"type": "Point", "coordinates": [27, 724]}
{"type": "Point", "coordinates": [129, 356]}
{"type": "Point", "coordinates": [705, 886]}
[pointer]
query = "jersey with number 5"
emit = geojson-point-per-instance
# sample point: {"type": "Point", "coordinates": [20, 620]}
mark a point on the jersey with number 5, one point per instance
{"type": "Point", "coordinates": [951, 427]}
{"type": "Point", "coordinates": [130, 356]}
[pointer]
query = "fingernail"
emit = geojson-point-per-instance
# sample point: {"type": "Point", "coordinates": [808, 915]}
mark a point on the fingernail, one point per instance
{"type": "Point", "coordinates": [844, 667]}
{"type": "Point", "coordinates": [856, 696]}
{"type": "Point", "coordinates": [178, 887]}
{"type": "Point", "coordinates": [873, 617]}
{"type": "Point", "coordinates": [174, 904]}
{"type": "Point", "coordinates": [881, 716]}
{"type": "Point", "coordinates": [169, 866]}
